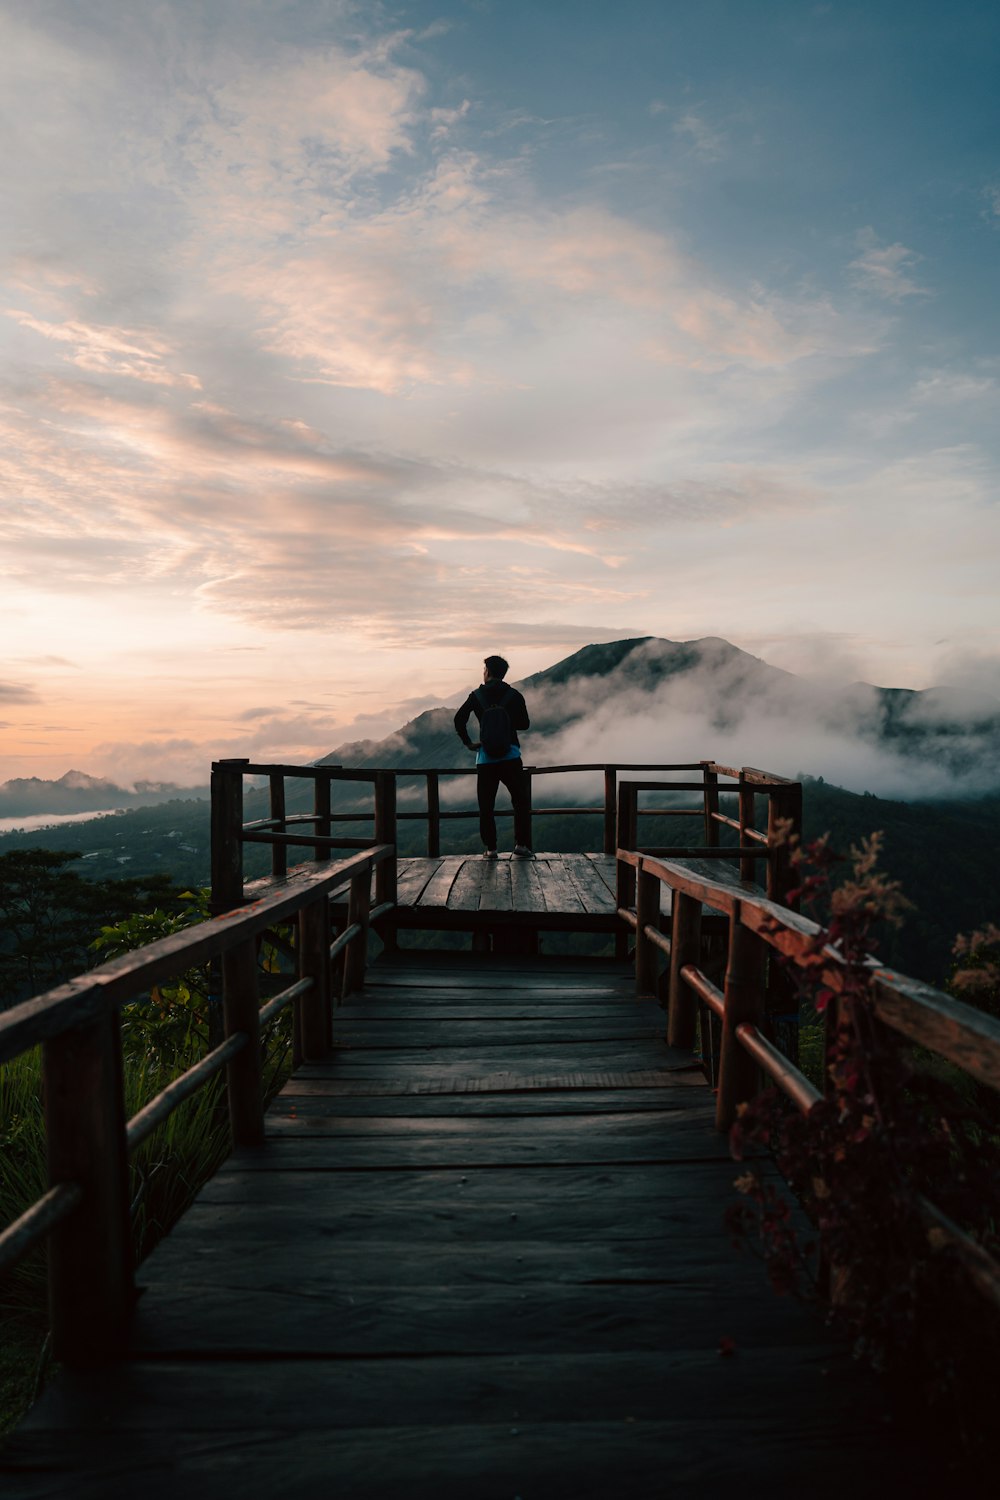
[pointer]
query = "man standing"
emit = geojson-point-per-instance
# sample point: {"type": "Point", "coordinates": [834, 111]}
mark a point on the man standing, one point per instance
{"type": "Point", "coordinates": [501, 712]}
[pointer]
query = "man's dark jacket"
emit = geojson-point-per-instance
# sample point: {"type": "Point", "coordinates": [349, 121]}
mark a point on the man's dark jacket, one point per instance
{"type": "Point", "coordinates": [494, 691]}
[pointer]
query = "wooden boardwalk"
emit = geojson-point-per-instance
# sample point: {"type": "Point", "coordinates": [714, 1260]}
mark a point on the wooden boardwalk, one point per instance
{"type": "Point", "coordinates": [480, 1255]}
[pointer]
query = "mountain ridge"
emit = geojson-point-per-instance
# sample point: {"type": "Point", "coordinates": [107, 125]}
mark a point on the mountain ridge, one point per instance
{"type": "Point", "coordinates": [650, 698]}
{"type": "Point", "coordinates": [77, 792]}
{"type": "Point", "coordinates": [682, 697]}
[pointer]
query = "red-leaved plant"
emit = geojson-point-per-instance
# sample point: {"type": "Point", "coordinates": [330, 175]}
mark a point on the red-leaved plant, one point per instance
{"type": "Point", "coordinates": [896, 1129]}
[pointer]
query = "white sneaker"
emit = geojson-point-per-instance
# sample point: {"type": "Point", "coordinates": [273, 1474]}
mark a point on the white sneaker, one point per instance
{"type": "Point", "coordinates": [521, 851]}
{"type": "Point", "coordinates": [489, 854]}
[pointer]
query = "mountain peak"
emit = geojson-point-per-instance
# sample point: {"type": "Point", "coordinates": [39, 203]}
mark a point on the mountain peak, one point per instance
{"type": "Point", "coordinates": [589, 661]}
{"type": "Point", "coordinates": [79, 781]}
{"type": "Point", "coordinates": [646, 660]}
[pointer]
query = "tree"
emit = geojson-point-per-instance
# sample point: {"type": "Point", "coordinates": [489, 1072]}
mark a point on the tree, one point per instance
{"type": "Point", "coordinates": [49, 916]}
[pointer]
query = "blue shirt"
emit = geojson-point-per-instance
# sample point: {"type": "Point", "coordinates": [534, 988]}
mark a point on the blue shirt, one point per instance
{"type": "Point", "coordinates": [482, 759]}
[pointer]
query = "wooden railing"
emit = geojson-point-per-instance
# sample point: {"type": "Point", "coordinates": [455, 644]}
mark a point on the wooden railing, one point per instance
{"type": "Point", "coordinates": [619, 811]}
{"type": "Point", "coordinates": [85, 1212]}
{"type": "Point", "coordinates": [773, 846]}
{"type": "Point", "coordinates": [281, 829]}
{"type": "Point", "coordinates": [748, 1059]}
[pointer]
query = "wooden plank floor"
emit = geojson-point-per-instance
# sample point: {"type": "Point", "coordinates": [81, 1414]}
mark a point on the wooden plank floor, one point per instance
{"type": "Point", "coordinates": [480, 1255]}
{"type": "Point", "coordinates": [576, 888]}
{"type": "Point", "coordinates": [574, 892]}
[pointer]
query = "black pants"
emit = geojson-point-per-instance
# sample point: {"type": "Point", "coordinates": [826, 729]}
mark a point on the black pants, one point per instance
{"type": "Point", "coordinates": [515, 779]}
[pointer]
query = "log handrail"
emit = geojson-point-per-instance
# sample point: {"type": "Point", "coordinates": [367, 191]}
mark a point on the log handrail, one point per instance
{"type": "Point", "coordinates": [964, 1035]}
{"type": "Point", "coordinates": [84, 1210]}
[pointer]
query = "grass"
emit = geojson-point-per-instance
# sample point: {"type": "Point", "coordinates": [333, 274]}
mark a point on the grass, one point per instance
{"type": "Point", "coordinates": [165, 1173]}
{"type": "Point", "coordinates": [23, 1356]}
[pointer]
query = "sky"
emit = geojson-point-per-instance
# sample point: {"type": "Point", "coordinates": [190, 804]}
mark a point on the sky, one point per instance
{"type": "Point", "coordinates": [341, 344]}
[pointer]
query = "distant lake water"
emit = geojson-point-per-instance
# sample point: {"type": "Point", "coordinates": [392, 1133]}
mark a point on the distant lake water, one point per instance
{"type": "Point", "coordinates": [51, 820]}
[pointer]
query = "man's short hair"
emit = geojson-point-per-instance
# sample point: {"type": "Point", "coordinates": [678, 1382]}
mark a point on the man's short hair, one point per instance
{"type": "Point", "coordinates": [496, 666]}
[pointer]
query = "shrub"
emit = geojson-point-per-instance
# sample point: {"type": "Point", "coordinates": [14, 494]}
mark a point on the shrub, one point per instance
{"type": "Point", "coordinates": [893, 1131]}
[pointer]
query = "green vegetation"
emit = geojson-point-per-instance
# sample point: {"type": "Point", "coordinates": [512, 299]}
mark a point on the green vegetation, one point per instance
{"type": "Point", "coordinates": [49, 913]}
{"type": "Point", "coordinates": [163, 1034]}
{"type": "Point", "coordinates": [943, 855]}
{"type": "Point", "coordinates": [146, 842]}
{"type": "Point", "coordinates": [898, 1128]}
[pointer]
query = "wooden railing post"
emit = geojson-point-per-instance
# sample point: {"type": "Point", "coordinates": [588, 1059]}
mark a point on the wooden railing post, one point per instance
{"type": "Point", "coordinates": [314, 964]}
{"type": "Point", "coordinates": [625, 884]}
{"type": "Point", "coordinates": [279, 852]}
{"type": "Point", "coordinates": [241, 1007]}
{"type": "Point", "coordinates": [711, 780]}
{"type": "Point", "coordinates": [386, 833]}
{"type": "Point", "coordinates": [610, 807]}
{"type": "Point", "coordinates": [746, 818]}
{"type": "Point", "coordinates": [647, 915]}
{"type": "Point", "coordinates": [433, 814]}
{"type": "Point", "coordinates": [625, 839]}
{"type": "Point", "coordinates": [744, 998]}
{"type": "Point", "coordinates": [529, 770]}
{"type": "Point", "coordinates": [685, 948]}
{"type": "Point", "coordinates": [227, 830]}
{"type": "Point", "coordinates": [358, 908]}
{"type": "Point", "coordinates": [91, 1285]}
{"type": "Point", "coordinates": [323, 825]}
{"type": "Point", "coordinates": [784, 805]}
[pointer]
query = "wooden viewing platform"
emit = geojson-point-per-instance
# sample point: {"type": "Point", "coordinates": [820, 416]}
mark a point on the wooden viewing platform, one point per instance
{"type": "Point", "coordinates": [475, 1247]}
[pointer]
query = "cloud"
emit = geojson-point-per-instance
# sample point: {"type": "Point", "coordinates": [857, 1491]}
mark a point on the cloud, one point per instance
{"type": "Point", "coordinates": [706, 141]}
{"type": "Point", "coordinates": [884, 269]}
{"type": "Point", "coordinates": [739, 711]}
{"type": "Point", "coordinates": [294, 739]}
{"type": "Point", "coordinates": [970, 670]}
{"type": "Point", "coordinates": [385, 300]}
{"type": "Point", "coordinates": [124, 487]}
{"type": "Point", "coordinates": [991, 199]}
{"type": "Point", "coordinates": [955, 388]}
{"type": "Point", "coordinates": [827, 656]}
{"type": "Point", "coordinates": [444, 120]}
{"type": "Point", "coordinates": [110, 351]}
{"type": "Point", "coordinates": [17, 692]}
{"type": "Point", "coordinates": [51, 661]}
{"type": "Point", "coordinates": [503, 634]}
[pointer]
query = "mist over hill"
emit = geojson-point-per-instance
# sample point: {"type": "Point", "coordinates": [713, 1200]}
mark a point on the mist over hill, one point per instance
{"type": "Point", "coordinates": [921, 766]}
{"type": "Point", "coordinates": [76, 792]}
{"type": "Point", "coordinates": [649, 699]}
